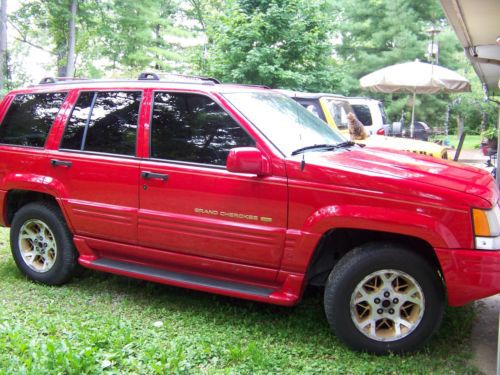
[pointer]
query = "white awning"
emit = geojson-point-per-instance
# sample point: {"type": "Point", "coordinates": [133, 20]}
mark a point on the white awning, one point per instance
{"type": "Point", "coordinates": [477, 25]}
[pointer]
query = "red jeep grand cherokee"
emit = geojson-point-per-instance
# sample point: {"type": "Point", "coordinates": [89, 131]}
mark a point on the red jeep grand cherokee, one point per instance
{"type": "Point", "coordinates": [240, 191]}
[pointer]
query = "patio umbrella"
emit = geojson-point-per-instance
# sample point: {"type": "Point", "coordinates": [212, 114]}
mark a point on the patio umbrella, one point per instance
{"type": "Point", "coordinates": [415, 78]}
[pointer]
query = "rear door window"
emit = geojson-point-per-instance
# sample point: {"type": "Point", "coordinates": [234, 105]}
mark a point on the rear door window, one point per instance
{"type": "Point", "coordinates": [29, 118]}
{"type": "Point", "coordinates": [104, 122]}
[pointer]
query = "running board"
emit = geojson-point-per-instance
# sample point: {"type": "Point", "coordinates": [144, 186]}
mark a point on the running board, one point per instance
{"type": "Point", "coordinates": [235, 289]}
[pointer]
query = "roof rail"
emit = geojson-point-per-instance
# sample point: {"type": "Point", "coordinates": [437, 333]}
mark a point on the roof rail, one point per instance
{"type": "Point", "coordinates": [257, 86]}
{"type": "Point", "coordinates": [192, 77]}
{"type": "Point", "coordinates": [145, 76]}
{"type": "Point", "coordinates": [49, 80]}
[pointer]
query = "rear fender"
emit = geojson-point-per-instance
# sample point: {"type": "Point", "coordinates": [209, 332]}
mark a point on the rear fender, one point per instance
{"type": "Point", "coordinates": [35, 183]}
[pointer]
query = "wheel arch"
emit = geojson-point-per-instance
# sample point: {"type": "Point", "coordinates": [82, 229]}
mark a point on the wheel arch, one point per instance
{"type": "Point", "coordinates": [336, 243]}
{"type": "Point", "coordinates": [17, 198]}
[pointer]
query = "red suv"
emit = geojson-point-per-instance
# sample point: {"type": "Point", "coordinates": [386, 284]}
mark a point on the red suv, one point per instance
{"type": "Point", "coordinates": [240, 191]}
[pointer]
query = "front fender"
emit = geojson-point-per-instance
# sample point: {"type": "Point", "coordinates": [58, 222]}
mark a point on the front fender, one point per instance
{"type": "Point", "coordinates": [437, 226]}
{"type": "Point", "coordinates": [420, 222]}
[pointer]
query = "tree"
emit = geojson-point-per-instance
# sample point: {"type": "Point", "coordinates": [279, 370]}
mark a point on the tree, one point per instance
{"type": "Point", "coordinates": [70, 60]}
{"type": "Point", "coordinates": [55, 31]}
{"type": "Point", "coordinates": [373, 34]}
{"type": "Point", "coordinates": [280, 43]}
{"type": "Point", "coordinates": [139, 35]}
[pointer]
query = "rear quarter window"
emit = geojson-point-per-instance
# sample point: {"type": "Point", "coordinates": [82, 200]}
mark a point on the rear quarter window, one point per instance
{"type": "Point", "coordinates": [29, 118]}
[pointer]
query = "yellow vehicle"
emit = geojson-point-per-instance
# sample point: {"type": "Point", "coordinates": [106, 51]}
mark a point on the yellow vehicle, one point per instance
{"type": "Point", "coordinates": [333, 109]}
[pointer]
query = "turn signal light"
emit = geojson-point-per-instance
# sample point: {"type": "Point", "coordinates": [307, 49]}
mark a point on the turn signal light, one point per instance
{"type": "Point", "coordinates": [481, 226]}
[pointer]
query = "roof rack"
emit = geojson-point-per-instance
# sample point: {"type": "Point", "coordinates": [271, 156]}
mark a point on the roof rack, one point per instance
{"type": "Point", "coordinates": [153, 76]}
{"type": "Point", "coordinates": [144, 76]}
{"type": "Point", "coordinates": [48, 80]}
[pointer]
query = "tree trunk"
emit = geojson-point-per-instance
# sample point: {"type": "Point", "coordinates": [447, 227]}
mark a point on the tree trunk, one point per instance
{"type": "Point", "coordinates": [3, 43]}
{"type": "Point", "coordinates": [61, 61]}
{"type": "Point", "coordinates": [70, 60]}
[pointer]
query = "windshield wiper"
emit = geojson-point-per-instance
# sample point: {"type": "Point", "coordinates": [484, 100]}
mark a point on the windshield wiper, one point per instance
{"type": "Point", "coordinates": [345, 144]}
{"type": "Point", "coordinates": [314, 147]}
{"type": "Point", "coordinates": [324, 146]}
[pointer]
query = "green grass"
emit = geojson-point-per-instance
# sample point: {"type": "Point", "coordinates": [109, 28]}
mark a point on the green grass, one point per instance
{"type": "Point", "coordinates": [109, 324]}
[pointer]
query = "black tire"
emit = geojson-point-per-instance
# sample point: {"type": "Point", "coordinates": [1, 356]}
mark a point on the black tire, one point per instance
{"type": "Point", "coordinates": [360, 267]}
{"type": "Point", "coordinates": [64, 260]}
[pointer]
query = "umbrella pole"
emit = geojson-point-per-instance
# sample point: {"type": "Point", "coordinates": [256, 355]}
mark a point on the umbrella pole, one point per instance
{"type": "Point", "coordinates": [412, 115]}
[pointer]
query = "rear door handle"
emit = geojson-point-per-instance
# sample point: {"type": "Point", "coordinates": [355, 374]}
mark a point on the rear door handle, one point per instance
{"type": "Point", "coordinates": [60, 163]}
{"type": "Point", "coordinates": [151, 175]}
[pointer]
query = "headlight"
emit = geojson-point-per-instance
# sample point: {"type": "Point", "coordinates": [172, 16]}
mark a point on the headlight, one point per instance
{"type": "Point", "coordinates": [487, 228]}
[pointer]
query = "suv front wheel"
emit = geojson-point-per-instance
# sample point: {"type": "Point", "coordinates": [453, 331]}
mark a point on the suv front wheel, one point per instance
{"type": "Point", "coordinates": [382, 297]}
{"type": "Point", "coordinates": [42, 245]}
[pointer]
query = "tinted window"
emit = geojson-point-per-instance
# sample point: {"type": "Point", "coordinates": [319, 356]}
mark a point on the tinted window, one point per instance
{"type": "Point", "coordinates": [29, 118]}
{"type": "Point", "coordinates": [104, 122]}
{"type": "Point", "coordinates": [193, 128]}
{"type": "Point", "coordinates": [73, 134]}
{"type": "Point", "coordinates": [363, 114]}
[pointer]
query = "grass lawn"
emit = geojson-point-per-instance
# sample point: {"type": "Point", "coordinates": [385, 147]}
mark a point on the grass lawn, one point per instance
{"type": "Point", "coordinates": [104, 323]}
{"type": "Point", "coordinates": [471, 141]}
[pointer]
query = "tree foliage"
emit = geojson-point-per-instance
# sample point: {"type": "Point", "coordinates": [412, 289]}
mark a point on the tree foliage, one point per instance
{"type": "Point", "coordinates": [309, 45]}
{"type": "Point", "coordinates": [280, 43]}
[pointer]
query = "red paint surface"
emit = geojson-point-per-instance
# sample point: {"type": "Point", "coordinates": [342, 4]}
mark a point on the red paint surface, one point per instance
{"type": "Point", "coordinates": [244, 228]}
{"type": "Point", "coordinates": [469, 274]}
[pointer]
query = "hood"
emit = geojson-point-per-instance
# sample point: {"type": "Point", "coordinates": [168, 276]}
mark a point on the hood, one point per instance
{"type": "Point", "coordinates": [404, 144]}
{"type": "Point", "coordinates": [385, 170]}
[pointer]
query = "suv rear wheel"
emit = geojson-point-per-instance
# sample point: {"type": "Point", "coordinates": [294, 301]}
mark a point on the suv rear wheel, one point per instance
{"type": "Point", "coordinates": [42, 245]}
{"type": "Point", "coordinates": [382, 297]}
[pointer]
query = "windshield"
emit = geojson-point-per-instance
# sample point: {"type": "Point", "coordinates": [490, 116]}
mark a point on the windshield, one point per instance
{"type": "Point", "coordinates": [338, 110]}
{"type": "Point", "coordinates": [287, 124]}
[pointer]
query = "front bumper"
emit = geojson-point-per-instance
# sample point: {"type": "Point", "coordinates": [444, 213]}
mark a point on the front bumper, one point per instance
{"type": "Point", "coordinates": [470, 274]}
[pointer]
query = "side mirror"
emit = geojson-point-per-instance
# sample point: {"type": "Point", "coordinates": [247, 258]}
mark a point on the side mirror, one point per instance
{"type": "Point", "coordinates": [248, 160]}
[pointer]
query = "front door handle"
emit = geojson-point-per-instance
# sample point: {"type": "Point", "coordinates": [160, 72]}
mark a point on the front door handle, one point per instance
{"type": "Point", "coordinates": [158, 176]}
{"type": "Point", "coordinates": [60, 163]}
